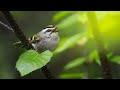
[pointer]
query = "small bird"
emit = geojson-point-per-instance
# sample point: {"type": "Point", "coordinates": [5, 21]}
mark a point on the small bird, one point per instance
{"type": "Point", "coordinates": [46, 39]}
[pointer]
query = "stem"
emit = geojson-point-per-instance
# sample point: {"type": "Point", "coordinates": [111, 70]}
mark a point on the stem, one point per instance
{"type": "Point", "coordinates": [6, 26]}
{"type": "Point", "coordinates": [100, 45]}
{"type": "Point", "coordinates": [20, 35]}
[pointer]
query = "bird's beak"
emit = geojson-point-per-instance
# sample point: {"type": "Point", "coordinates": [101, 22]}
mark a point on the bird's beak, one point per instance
{"type": "Point", "coordinates": [55, 30]}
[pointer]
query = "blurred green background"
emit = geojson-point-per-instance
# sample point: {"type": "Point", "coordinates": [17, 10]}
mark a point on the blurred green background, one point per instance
{"type": "Point", "coordinates": [77, 56]}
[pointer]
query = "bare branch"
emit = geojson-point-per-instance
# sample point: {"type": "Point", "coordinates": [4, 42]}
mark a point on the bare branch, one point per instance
{"type": "Point", "coordinates": [20, 35]}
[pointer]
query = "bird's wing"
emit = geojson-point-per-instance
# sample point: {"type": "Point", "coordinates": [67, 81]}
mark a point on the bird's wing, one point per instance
{"type": "Point", "coordinates": [17, 44]}
{"type": "Point", "coordinates": [34, 39]}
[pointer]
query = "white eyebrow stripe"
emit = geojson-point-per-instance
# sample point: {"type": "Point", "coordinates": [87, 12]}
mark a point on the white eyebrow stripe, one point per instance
{"type": "Point", "coordinates": [44, 30]}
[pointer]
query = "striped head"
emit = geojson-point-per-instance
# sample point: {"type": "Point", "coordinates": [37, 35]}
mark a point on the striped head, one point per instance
{"type": "Point", "coordinates": [49, 31]}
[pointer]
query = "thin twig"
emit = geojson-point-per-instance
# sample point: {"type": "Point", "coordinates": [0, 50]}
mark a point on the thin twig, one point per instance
{"type": "Point", "coordinates": [6, 26]}
{"type": "Point", "coordinates": [102, 53]}
{"type": "Point", "coordinates": [20, 35]}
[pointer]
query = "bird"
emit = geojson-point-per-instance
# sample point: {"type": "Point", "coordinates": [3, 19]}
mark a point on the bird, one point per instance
{"type": "Point", "coordinates": [47, 39]}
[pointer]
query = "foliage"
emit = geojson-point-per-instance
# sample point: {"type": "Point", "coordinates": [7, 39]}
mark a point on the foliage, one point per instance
{"type": "Point", "coordinates": [75, 63]}
{"type": "Point", "coordinates": [66, 42]}
{"type": "Point", "coordinates": [76, 56]}
{"type": "Point", "coordinates": [31, 61]}
{"type": "Point", "coordinates": [76, 23]}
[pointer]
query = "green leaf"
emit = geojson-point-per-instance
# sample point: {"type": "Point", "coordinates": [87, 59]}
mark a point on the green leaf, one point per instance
{"type": "Point", "coordinates": [83, 17]}
{"type": "Point", "coordinates": [32, 60]}
{"type": "Point", "coordinates": [116, 59]}
{"type": "Point", "coordinates": [69, 42]}
{"type": "Point", "coordinates": [72, 76]}
{"type": "Point", "coordinates": [110, 54]}
{"type": "Point", "coordinates": [75, 63]}
{"type": "Point", "coordinates": [94, 56]}
{"type": "Point", "coordinates": [69, 21]}
{"type": "Point", "coordinates": [61, 15]}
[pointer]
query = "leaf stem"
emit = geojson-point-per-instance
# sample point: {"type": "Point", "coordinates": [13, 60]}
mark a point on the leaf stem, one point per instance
{"type": "Point", "coordinates": [20, 35]}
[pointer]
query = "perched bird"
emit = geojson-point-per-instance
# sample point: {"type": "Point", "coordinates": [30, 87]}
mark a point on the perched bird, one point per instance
{"type": "Point", "coordinates": [46, 39]}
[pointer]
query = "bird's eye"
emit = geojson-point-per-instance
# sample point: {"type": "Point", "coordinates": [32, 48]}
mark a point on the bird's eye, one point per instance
{"type": "Point", "coordinates": [48, 30]}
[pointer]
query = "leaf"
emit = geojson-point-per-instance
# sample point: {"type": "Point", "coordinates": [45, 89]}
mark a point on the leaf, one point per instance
{"type": "Point", "coordinates": [110, 54]}
{"type": "Point", "coordinates": [83, 17]}
{"type": "Point", "coordinates": [71, 17]}
{"type": "Point", "coordinates": [75, 63]}
{"type": "Point", "coordinates": [116, 59]}
{"type": "Point", "coordinates": [71, 21]}
{"type": "Point", "coordinates": [61, 15]}
{"type": "Point", "coordinates": [94, 56]}
{"type": "Point", "coordinates": [32, 60]}
{"type": "Point", "coordinates": [69, 42]}
{"type": "Point", "coordinates": [72, 76]}
{"type": "Point", "coordinates": [67, 22]}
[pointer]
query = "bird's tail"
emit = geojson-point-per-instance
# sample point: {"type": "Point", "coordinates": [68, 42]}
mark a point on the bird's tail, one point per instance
{"type": "Point", "coordinates": [17, 44]}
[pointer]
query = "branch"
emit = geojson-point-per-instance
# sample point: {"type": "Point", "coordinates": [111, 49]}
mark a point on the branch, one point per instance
{"type": "Point", "coordinates": [102, 53]}
{"type": "Point", "coordinates": [20, 35]}
{"type": "Point", "coordinates": [6, 26]}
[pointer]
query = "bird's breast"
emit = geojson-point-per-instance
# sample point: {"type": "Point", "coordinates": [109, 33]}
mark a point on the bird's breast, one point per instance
{"type": "Point", "coordinates": [46, 44]}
